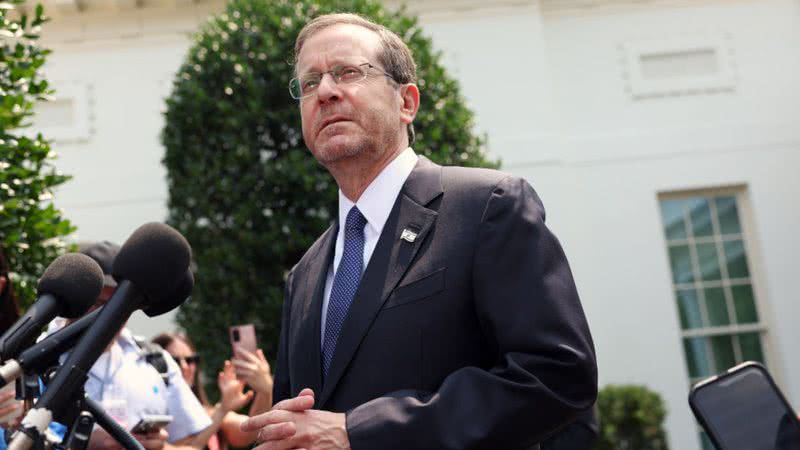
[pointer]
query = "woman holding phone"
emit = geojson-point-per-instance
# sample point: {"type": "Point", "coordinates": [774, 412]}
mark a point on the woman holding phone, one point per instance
{"type": "Point", "coordinates": [246, 368]}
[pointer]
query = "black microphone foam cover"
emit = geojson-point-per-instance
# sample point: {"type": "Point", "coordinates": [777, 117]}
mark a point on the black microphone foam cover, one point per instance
{"type": "Point", "coordinates": [75, 280]}
{"type": "Point", "coordinates": [154, 258]}
{"type": "Point", "coordinates": [172, 299]}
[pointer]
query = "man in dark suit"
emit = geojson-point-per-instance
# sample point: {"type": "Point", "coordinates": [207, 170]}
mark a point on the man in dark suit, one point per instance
{"type": "Point", "coordinates": [439, 312]}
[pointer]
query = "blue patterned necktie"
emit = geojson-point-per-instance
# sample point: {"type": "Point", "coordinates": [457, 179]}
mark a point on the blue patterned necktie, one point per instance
{"type": "Point", "coordinates": [345, 284]}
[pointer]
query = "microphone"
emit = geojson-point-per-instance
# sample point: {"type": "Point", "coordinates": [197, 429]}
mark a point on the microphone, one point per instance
{"type": "Point", "coordinates": [154, 259]}
{"type": "Point", "coordinates": [179, 294]}
{"type": "Point", "coordinates": [68, 288]}
{"type": "Point", "coordinates": [44, 354]}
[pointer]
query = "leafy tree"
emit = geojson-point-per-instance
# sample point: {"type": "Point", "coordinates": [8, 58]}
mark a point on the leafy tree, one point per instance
{"type": "Point", "coordinates": [631, 418]}
{"type": "Point", "coordinates": [243, 188]}
{"type": "Point", "coordinates": [31, 228]}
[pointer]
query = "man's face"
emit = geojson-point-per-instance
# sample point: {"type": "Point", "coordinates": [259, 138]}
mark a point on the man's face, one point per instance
{"type": "Point", "coordinates": [104, 297]}
{"type": "Point", "coordinates": [348, 120]}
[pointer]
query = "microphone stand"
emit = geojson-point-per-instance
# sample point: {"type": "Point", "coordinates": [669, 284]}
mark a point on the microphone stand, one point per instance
{"type": "Point", "coordinates": [27, 387]}
{"type": "Point", "coordinates": [108, 423]}
{"type": "Point", "coordinates": [83, 415]}
{"type": "Point", "coordinates": [64, 397]}
{"type": "Point", "coordinates": [86, 413]}
{"type": "Point", "coordinates": [78, 436]}
{"type": "Point", "coordinates": [27, 390]}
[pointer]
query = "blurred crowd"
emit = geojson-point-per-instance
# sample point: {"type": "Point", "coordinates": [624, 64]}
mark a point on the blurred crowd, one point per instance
{"type": "Point", "coordinates": [135, 379]}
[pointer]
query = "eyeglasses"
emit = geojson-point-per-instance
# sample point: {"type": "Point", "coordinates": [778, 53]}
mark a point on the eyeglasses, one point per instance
{"type": "Point", "coordinates": [306, 84]}
{"type": "Point", "coordinates": [191, 359]}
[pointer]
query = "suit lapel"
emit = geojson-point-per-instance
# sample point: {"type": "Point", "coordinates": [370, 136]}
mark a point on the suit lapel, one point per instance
{"type": "Point", "coordinates": [308, 367]}
{"type": "Point", "coordinates": [389, 262]}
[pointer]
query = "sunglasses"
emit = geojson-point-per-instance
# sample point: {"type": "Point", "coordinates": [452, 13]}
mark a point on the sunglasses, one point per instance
{"type": "Point", "coordinates": [191, 359]}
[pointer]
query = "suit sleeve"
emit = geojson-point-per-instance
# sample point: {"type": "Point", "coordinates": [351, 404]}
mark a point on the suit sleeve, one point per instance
{"type": "Point", "coordinates": [528, 307]}
{"type": "Point", "coordinates": [281, 387]}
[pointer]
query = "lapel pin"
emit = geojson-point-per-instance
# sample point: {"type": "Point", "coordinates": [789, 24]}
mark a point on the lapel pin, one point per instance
{"type": "Point", "coordinates": [408, 235]}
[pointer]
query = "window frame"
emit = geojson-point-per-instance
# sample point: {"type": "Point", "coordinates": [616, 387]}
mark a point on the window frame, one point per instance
{"type": "Point", "coordinates": [748, 237]}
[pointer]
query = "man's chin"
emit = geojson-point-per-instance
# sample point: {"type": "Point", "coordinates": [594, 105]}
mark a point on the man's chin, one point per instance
{"type": "Point", "coordinates": [336, 151]}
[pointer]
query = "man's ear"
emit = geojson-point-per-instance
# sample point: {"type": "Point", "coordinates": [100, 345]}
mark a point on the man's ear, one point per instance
{"type": "Point", "coordinates": [409, 95]}
{"type": "Point", "coordinates": [3, 282]}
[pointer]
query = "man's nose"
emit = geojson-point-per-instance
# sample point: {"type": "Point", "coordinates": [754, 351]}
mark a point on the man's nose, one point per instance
{"type": "Point", "coordinates": [328, 89]}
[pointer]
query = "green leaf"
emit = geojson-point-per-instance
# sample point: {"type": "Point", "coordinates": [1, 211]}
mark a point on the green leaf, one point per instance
{"type": "Point", "coordinates": [631, 417]}
{"type": "Point", "coordinates": [31, 227]}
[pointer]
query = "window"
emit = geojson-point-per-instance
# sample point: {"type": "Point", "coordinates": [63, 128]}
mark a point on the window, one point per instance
{"type": "Point", "coordinates": [68, 118]}
{"type": "Point", "coordinates": [712, 283]}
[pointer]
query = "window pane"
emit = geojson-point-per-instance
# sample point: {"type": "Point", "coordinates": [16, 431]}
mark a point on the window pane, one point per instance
{"type": "Point", "coordinates": [701, 217]}
{"type": "Point", "coordinates": [672, 218]}
{"type": "Point", "coordinates": [681, 264]}
{"type": "Point", "coordinates": [697, 357]}
{"type": "Point", "coordinates": [709, 263]}
{"type": "Point", "coordinates": [724, 358]}
{"type": "Point", "coordinates": [744, 303]}
{"type": "Point", "coordinates": [728, 215]}
{"type": "Point", "coordinates": [715, 305]}
{"type": "Point", "coordinates": [750, 344]}
{"type": "Point", "coordinates": [689, 309]}
{"type": "Point", "coordinates": [736, 259]}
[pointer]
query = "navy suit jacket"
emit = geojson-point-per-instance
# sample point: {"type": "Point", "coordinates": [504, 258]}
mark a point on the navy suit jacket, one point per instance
{"type": "Point", "coordinates": [470, 337]}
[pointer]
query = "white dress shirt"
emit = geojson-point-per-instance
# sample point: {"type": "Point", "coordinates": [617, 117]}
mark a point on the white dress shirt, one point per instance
{"type": "Point", "coordinates": [375, 205]}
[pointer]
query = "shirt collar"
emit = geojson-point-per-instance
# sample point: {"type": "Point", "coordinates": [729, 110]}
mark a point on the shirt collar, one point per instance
{"type": "Point", "coordinates": [126, 339]}
{"type": "Point", "coordinates": [378, 199]}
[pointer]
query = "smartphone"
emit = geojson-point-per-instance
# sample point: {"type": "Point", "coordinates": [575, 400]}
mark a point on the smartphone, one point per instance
{"type": "Point", "coordinates": [743, 409]}
{"type": "Point", "coordinates": [151, 422]}
{"type": "Point", "coordinates": [243, 336]}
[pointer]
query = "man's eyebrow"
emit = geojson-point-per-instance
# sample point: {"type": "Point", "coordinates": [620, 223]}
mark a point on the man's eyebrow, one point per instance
{"type": "Point", "coordinates": [339, 61]}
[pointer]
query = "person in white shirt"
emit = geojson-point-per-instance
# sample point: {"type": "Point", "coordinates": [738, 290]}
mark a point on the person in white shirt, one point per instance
{"type": "Point", "coordinates": [129, 387]}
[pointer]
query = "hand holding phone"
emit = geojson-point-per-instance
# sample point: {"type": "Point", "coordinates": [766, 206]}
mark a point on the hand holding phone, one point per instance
{"type": "Point", "coordinates": [244, 337]}
{"type": "Point", "coordinates": [743, 409]}
{"type": "Point", "coordinates": [151, 422]}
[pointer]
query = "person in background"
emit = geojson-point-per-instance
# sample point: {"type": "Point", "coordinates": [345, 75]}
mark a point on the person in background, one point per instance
{"type": "Point", "coordinates": [9, 313]}
{"type": "Point", "coordinates": [245, 369]}
{"type": "Point", "coordinates": [9, 309]}
{"type": "Point", "coordinates": [128, 386]}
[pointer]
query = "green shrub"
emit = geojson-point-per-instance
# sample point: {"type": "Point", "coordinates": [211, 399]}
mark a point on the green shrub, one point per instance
{"type": "Point", "coordinates": [31, 228]}
{"type": "Point", "coordinates": [243, 188]}
{"type": "Point", "coordinates": [631, 418]}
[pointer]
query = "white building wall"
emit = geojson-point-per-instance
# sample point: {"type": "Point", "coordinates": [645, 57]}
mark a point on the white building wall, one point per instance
{"type": "Point", "coordinates": [599, 155]}
{"type": "Point", "coordinates": [118, 66]}
{"type": "Point", "coordinates": [626, 150]}
{"type": "Point", "coordinates": [553, 87]}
